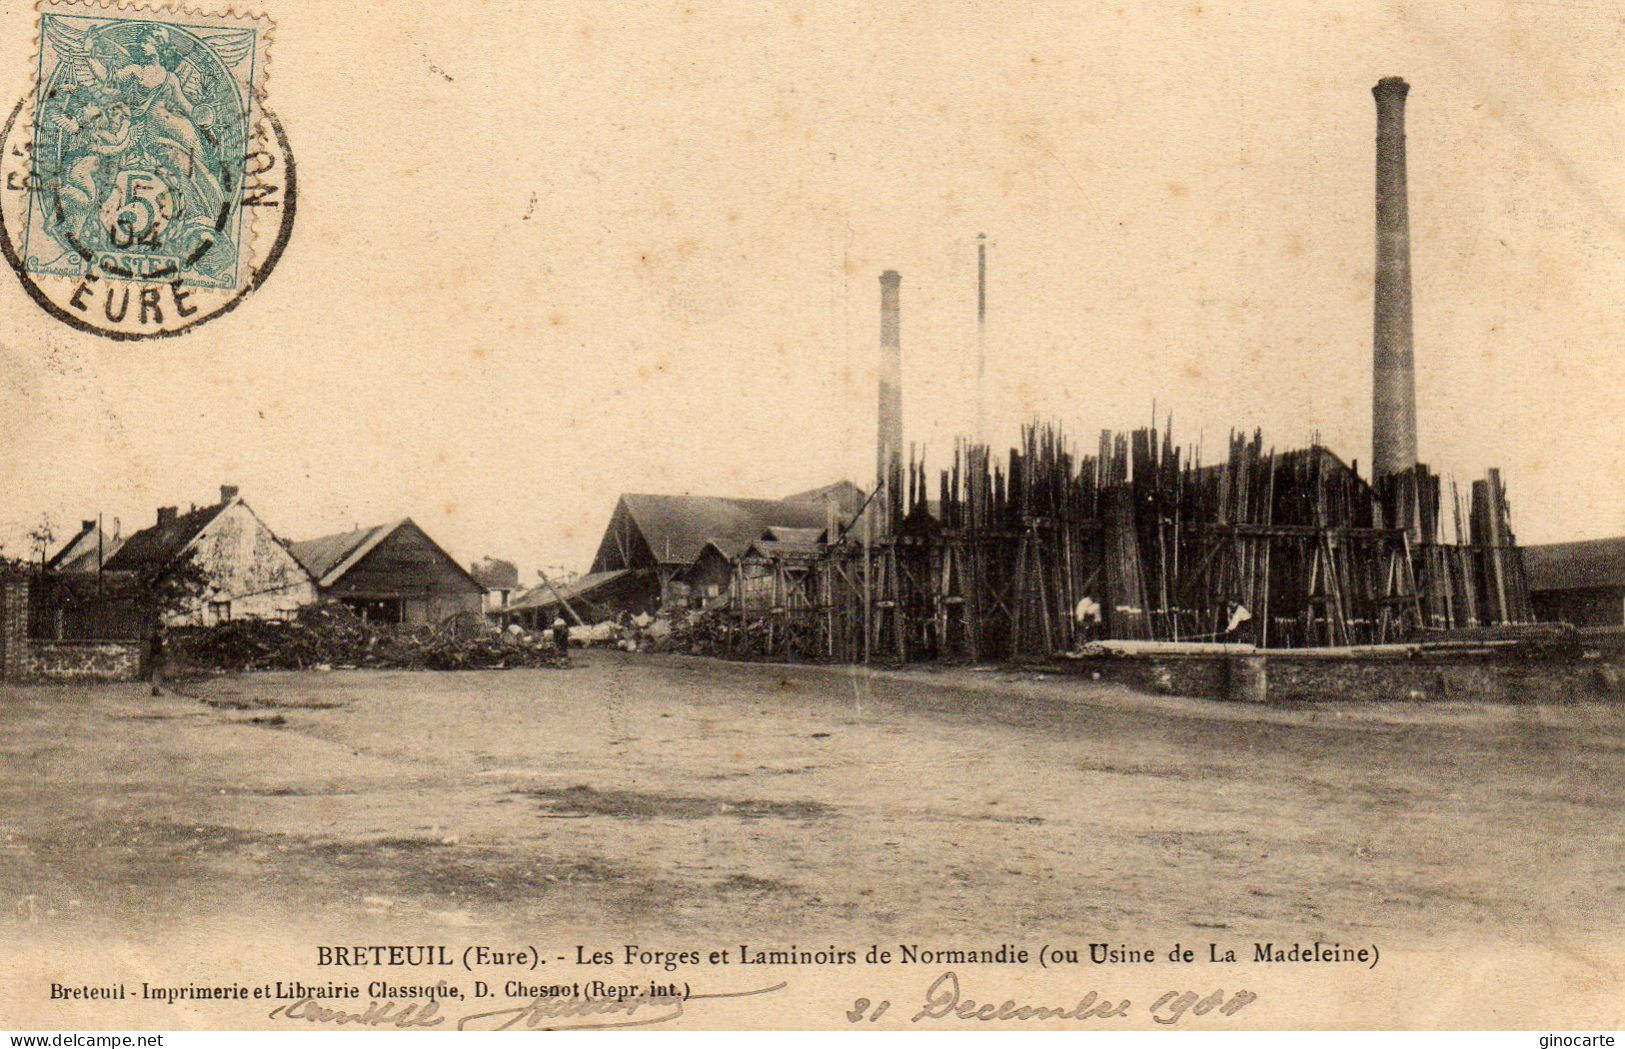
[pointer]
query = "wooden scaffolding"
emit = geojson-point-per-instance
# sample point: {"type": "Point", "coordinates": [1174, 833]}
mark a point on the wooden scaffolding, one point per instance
{"type": "Point", "coordinates": [1047, 551]}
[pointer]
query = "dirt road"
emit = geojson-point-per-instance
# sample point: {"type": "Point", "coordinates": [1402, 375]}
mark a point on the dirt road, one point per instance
{"type": "Point", "coordinates": [662, 795]}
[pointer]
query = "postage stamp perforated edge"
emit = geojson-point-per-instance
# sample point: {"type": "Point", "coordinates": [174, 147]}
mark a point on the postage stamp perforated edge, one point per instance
{"type": "Point", "coordinates": [253, 234]}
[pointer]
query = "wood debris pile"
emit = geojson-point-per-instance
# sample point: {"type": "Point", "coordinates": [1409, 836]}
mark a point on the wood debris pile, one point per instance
{"type": "Point", "coordinates": [696, 633]}
{"type": "Point", "coordinates": [331, 635]}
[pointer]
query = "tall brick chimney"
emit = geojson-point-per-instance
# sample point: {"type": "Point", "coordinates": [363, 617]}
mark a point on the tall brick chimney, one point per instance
{"type": "Point", "coordinates": [1393, 373]}
{"type": "Point", "coordinates": [889, 446]}
{"type": "Point", "coordinates": [166, 514]}
{"type": "Point", "coordinates": [228, 492]}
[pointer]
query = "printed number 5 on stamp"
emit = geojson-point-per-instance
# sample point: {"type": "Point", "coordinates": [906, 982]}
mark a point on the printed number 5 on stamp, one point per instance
{"type": "Point", "coordinates": [132, 186]}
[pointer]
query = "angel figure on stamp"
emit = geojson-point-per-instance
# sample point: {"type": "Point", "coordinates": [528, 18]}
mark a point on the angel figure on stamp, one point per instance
{"type": "Point", "coordinates": [170, 120]}
{"type": "Point", "coordinates": [101, 135]}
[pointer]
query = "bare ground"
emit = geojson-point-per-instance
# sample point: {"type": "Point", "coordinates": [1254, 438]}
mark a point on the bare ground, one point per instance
{"type": "Point", "coordinates": [668, 796]}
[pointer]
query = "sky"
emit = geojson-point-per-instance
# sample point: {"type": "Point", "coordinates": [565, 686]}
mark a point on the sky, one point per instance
{"type": "Point", "coordinates": [548, 253]}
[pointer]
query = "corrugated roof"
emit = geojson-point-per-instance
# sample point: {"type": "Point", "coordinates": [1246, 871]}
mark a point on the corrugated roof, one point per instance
{"type": "Point", "coordinates": [1583, 565]}
{"type": "Point", "coordinates": [542, 596]}
{"type": "Point", "coordinates": [162, 543]}
{"type": "Point", "coordinates": [322, 555]}
{"type": "Point", "coordinates": [677, 527]}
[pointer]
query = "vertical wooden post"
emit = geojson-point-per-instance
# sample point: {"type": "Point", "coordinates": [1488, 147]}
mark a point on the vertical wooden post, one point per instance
{"type": "Point", "coordinates": [868, 584]}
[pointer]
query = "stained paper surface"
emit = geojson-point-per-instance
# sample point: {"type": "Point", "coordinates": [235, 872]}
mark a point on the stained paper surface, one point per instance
{"type": "Point", "coordinates": [489, 266]}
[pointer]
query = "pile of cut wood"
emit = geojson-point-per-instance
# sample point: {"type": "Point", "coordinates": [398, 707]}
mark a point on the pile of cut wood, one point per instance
{"type": "Point", "coordinates": [332, 636]}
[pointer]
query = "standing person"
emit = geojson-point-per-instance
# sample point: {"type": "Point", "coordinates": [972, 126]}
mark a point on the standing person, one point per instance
{"type": "Point", "coordinates": [561, 641]}
{"type": "Point", "coordinates": [156, 655]}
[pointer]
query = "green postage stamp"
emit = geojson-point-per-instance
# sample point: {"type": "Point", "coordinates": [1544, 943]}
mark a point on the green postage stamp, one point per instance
{"type": "Point", "coordinates": [147, 145]}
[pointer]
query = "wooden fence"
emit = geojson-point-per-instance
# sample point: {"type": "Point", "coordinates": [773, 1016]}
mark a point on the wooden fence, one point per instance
{"type": "Point", "coordinates": [81, 608]}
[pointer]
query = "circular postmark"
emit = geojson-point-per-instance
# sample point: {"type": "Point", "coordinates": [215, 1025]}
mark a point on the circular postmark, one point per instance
{"type": "Point", "coordinates": [115, 250]}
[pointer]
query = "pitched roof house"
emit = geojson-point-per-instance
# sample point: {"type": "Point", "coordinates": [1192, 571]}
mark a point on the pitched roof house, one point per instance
{"type": "Point", "coordinates": [671, 530]}
{"type": "Point", "coordinates": [500, 579]}
{"type": "Point", "coordinates": [87, 551]}
{"type": "Point", "coordinates": [248, 572]}
{"type": "Point", "coordinates": [710, 578]}
{"type": "Point", "coordinates": [391, 573]}
{"type": "Point", "coordinates": [662, 536]}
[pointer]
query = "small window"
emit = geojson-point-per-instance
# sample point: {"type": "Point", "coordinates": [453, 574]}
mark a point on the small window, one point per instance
{"type": "Point", "coordinates": [383, 610]}
{"type": "Point", "coordinates": [220, 611]}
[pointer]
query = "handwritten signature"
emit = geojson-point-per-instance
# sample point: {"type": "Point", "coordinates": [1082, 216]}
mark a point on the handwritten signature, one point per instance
{"type": "Point", "coordinates": [545, 1013]}
{"type": "Point", "coordinates": [377, 1014]}
{"type": "Point", "coordinates": [553, 1014]}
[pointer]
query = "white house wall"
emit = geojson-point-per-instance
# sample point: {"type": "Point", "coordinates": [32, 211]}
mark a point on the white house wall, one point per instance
{"type": "Point", "coordinates": [247, 566]}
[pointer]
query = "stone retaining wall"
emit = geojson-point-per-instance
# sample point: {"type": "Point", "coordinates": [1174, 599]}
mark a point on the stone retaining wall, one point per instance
{"type": "Point", "coordinates": [82, 660]}
{"type": "Point", "coordinates": [1295, 678]}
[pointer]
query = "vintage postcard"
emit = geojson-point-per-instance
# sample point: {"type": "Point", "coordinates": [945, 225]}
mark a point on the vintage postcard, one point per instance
{"type": "Point", "coordinates": [841, 516]}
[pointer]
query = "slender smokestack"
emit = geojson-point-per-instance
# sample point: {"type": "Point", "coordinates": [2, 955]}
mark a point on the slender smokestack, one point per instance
{"type": "Point", "coordinates": [981, 338]}
{"type": "Point", "coordinates": [1393, 403]}
{"type": "Point", "coordinates": [889, 447]}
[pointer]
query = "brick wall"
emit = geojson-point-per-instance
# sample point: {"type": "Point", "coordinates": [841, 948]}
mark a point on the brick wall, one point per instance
{"type": "Point", "coordinates": [13, 624]}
